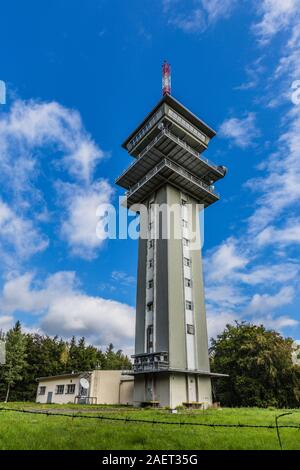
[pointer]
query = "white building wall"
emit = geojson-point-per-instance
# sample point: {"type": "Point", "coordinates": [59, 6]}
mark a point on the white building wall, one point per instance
{"type": "Point", "coordinates": [107, 386]}
{"type": "Point", "coordinates": [51, 387]}
{"type": "Point", "coordinates": [188, 290]}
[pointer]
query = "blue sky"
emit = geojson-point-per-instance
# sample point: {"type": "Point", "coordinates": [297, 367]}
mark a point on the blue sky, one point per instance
{"type": "Point", "coordinates": [80, 76]}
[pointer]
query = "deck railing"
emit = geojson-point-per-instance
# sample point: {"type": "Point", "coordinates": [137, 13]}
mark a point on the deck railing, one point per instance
{"type": "Point", "coordinates": [175, 167]}
{"type": "Point", "coordinates": [178, 141]}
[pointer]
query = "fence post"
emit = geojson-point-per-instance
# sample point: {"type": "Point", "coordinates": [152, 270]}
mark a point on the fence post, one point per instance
{"type": "Point", "coordinates": [277, 427]}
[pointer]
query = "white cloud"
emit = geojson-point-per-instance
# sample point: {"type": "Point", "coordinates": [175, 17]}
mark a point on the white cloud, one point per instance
{"type": "Point", "coordinates": [232, 279]}
{"type": "Point", "coordinates": [200, 16]}
{"type": "Point", "coordinates": [30, 126]}
{"type": "Point", "coordinates": [24, 293]}
{"type": "Point", "coordinates": [241, 132]}
{"type": "Point", "coordinates": [19, 239]}
{"type": "Point", "coordinates": [269, 274]}
{"type": "Point", "coordinates": [247, 291]}
{"type": "Point", "coordinates": [226, 295]}
{"type": "Point", "coordinates": [276, 323]}
{"type": "Point", "coordinates": [224, 260]}
{"type": "Point", "coordinates": [218, 319]}
{"type": "Point", "coordinates": [123, 278]}
{"type": "Point", "coordinates": [276, 16]}
{"type": "Point", "coordinates": [6, 322]}
{"type": "Point", "coordinates": [218, 9]}
{"type": "Point", "coordinates": [81, 221]}
{"type": "Point", "coordinates": [261, 303]}
{"type": "Point", "coordinates": [65, 310]}
{"type": "Point", "coordinates": [100, 320]}
{"type": "Point", "coordinates": [253, 72]}
{"type": "Point", "coordinates": [32, 132]}
{"type": "Point", "coordinates": [279, 188]}
{"type": "Point", "coordinates": [290, 234]}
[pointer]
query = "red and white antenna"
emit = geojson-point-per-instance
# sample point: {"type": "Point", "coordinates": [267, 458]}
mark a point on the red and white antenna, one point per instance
{"type": "Point", "coordinates": [166, 78]}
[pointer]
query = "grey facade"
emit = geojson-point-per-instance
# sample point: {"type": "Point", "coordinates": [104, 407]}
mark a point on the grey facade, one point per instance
{"type": "Point", "coordinates": [170, 178]}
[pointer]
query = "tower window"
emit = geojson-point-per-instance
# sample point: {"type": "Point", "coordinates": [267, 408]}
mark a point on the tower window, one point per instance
{"type": "Point", "coordinates": [150, 338]}
{"type": "Point", "coordinates": [185, 223]}
{"type": "Point", "coordinates": [187, 282]}
{"type": "Point", "coordinates": [151, 263]}
{"type": "Point", "coordinates": [190, 329]}
{"type": "Point", "coordinates": [187, 262]}
{"type": "Point", "coordinates": [150, 284]}
{"type": "Point", "coordinates": [188, 305]}
{"type": "Point", "coordinates": [185, 242]}
{"type": "Point", "coordinates": [150, 307]}
{"type": "Point", "coordinates": [183, 202]}
{"type": "Point", "coordinates": [151, 243]}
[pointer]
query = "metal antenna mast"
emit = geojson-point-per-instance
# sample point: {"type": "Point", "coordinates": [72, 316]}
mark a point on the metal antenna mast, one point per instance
{"type": "Point", "coordinates": [166, 78]}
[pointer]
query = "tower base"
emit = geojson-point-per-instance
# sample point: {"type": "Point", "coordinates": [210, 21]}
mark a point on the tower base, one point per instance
{"type": "Point", "coordinates": [172, 389]}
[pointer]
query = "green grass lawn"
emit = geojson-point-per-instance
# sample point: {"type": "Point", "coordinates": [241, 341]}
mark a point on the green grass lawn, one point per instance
{"type": "Point", "coordinates": [27, 431]}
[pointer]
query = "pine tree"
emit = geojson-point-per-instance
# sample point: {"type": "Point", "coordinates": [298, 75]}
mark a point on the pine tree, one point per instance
{"type": "Point", "coordinates": [15, 357]}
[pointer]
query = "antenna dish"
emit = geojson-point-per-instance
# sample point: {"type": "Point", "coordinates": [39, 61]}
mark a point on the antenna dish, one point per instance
{"type": "Point", "coordinates": [84, 383]}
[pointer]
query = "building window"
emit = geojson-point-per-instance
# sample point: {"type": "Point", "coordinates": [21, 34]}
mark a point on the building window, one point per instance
{"type": "Point", "coordinates": [187, 282]}
{"type": "Point", "coordinates": [42, 390]}
{"type": "Point", "coordinates": [185, 242]}
{"type": "Point", "coordinates": [150, 284]}
{"type": "Point", "coordinates": [70, 389]}
{"type": "Point", "coordinates": [185, 223]}
{"type": "Point", "coordinates": [151, 263]}
{"type": "Point", "coordinates": [190, 329]}
{"type": "Point", "coordinates": [150, 307]}
{"type": "Point", "coordinates": [187, 262]}
{"type": "Point", "coordinates": [183, 202]}
{"type": "Point", "coordinates": [151, 243]}
{"type": "Point", "coordinates": [188, 305]}
{"type": "Point", "coordinates": [59, 389]}
{"type": "Point", "coordinates": [150, 226]}
{"type": "Point", "coordinates": [150, 339]}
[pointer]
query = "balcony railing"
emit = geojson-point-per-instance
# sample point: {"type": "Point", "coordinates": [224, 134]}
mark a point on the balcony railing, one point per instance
{"type": "Point", "coordinates": [187, 147]}
{"type": "Point", "coordinates": [175, 167]}
{"type": "Point", "coordinates": [178, 141]}
{"type": "Point", "coordinates": [151, 362]}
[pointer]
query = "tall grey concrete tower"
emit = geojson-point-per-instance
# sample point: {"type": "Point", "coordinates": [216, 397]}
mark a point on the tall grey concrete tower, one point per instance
{"type": "Point", "coordinates": [171, 363]}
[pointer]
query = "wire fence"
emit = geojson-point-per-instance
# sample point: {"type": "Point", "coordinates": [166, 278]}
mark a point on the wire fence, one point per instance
{"type": "Point", "coordinates": [125, 420]}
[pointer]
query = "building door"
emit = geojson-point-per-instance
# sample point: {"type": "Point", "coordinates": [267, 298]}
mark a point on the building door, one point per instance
{"type": "Point", "coordinates": [49, 397]}
{"type": "Point", "coordinates": [149, 388]}
{"type": "Point", "coordinates": [192, 389]}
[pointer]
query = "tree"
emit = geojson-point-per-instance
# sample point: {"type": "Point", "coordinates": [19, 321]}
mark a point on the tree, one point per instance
{"type": "Point", "coordinates": [83, 357]}
{"type": "Point", "coordinates": [44, 356]}
{"type": "Point", "coordinates": [259, 365]}
{"type": "Point", "coordinates": [116, 360]}
{"type": "Point", "coordinates": [15, 357]}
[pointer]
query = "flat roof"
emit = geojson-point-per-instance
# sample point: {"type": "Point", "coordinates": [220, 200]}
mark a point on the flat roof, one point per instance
{"type": "Point", "coordinates": [181, 109]}
{"type": "Point", "coordinates": [61, 376]}
{"type": "Point", "coordinates": [180, 371]}
{"type": "Point", "coordinates": [75, 374]}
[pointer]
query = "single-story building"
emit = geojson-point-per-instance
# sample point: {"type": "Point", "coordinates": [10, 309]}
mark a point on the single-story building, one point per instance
{"type": "Point", "coordinates": [296, 353]}
{"type": "Point", "coordinates": [93, 387]}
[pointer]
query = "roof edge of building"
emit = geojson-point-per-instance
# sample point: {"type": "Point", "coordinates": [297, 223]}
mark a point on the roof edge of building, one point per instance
{"type": "Point", "coordinates": [180, 108]}
{"type": "Point", "coordinates": [75, 374]}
